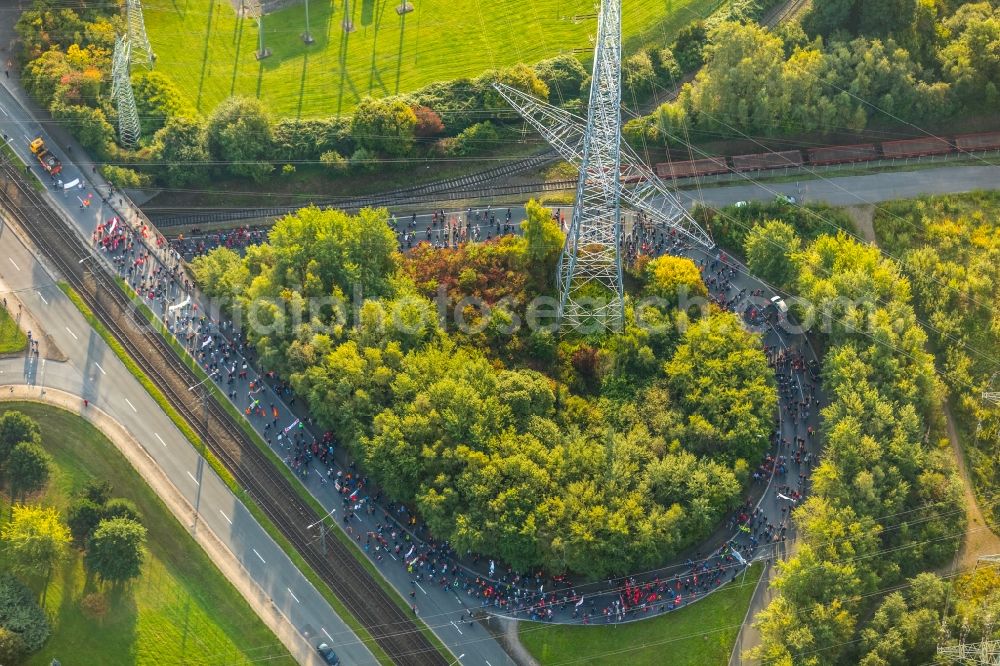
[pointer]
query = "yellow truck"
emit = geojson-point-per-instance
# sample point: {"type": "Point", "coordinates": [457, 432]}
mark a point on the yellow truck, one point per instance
{"type": "Point", "coordinates": [49, 162]}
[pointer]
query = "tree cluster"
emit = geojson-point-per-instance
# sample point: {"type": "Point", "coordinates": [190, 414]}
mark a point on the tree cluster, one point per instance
{"type": "Point", "coordinates": [761, 83]}
{"type": "Point", "coordinates": [599, 455]}
{"type": "Point", "coordinates": [885, 502]}
{"type": "Point", "coordinates": [949, 248]}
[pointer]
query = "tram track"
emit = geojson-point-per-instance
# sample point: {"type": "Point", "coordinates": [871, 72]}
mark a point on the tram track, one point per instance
{"type": "Point", "coordinates": [392, 628]}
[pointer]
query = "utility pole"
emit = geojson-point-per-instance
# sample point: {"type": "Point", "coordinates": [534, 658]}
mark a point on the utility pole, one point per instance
{"type": "Point", "coordinates": [307, 36]}
{"type": "Point", "coordinates": [257, 12]}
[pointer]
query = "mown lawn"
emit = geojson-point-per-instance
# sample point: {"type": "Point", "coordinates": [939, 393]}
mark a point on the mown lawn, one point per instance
{"type": "Point", "coordinates": [699, 635]}
{"type": "Point", "coordinates": [181, 610]}
{"type": "Point", "coordinates": [12, 338]}
{"type": "Point", "coordinates": [210, 53]}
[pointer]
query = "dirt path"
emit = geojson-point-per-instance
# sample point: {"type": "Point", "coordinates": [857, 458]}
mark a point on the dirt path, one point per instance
{"type": "Point", "coordinates": [147, 468]}
{"type": "Point", "coordinates": [979, 539]}
{"type": "Point", "coordinates": [864, 218]}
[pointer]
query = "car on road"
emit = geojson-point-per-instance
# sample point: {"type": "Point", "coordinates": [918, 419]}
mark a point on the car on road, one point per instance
{"type": "Point", "coordinates": [328, 655]}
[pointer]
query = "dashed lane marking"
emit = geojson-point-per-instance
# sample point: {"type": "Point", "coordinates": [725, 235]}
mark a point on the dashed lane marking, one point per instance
{"type": "Point", "coordinates": [225, 516]}
{"type": "Point", "coordinates": [43, 298]}
{"type": "Point", "coordinates": [100, 368]}
{"type": "Point", "coordinates": [14, 262]}
{"type": "Point", "coordinates": [71, 332]}
{"type": "Point", "coordinates": [421, 589]}
{"type": "Point", "coordinates": [457, 629]}
{"type": "Point", "coordinates": [157, 436]}
{"type": "Point", "coordinates": [130, 404]}
{"type": "Point", "coordinates": [193, 479]}
{"type": "Point", "coordinates": [293, 595]}
{"type": "Point", "coordinates": [258, 555]}
{"type": "Point", "coordinates": [326, 634]}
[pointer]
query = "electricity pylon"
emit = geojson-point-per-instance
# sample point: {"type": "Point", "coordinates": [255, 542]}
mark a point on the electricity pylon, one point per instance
{"type": "Point", "coordinates": [121, 92]}
{"type": "Point", "coordinates": [141, 51]}
{"type": "Point", "coordinates": [983, 653]}
{"type": "Point", "coordinates": [592, 253]}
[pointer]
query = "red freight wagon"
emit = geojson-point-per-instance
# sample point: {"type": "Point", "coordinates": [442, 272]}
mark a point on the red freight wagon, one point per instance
{"type": "Point", "coordinates": [703, 167]}
{"type": "Point", "coordinates": [930, 145]}
{"type": "Point", "coordinates": [861, 152]}
{"type": "Point", "coordinates": [981, 141]}
{"type": "Point", "coordinates": [758, 161]}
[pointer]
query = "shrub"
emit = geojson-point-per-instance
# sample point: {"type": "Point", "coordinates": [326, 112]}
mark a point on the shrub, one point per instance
{"type": "Point", "coordinates": [288, 169]}
{"type": "Point", "coordinates": [477, 138]}
{"type": "Point", "coordinates": [334, 161]}
{"type": "Point", "coordinates": [95, 605]}
{"type": "Point", "coordinates": [429, 123]}
{"type": "Point", "coordinates": [363, 160]}
{"type": "Point", "coordinates": [120, 507]}
{"type": "Point", "coordinates": [21, 615]}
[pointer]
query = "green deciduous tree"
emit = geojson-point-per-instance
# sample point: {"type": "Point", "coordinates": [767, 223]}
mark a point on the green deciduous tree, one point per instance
{"type": "Point", "coordinates": [116, 550]}
{"type": "Point", "coordinates": [180, 152]}
{"type": "Point", "coordinates": [28, 469]}
{"type": "Point", "coordinates": [82, 517]}
{"type": "Point", "coordinates": [770, 249]}
{"type": "Point", "coordinates": [35, 540]}
{"type": "Point", "coordinates": [544, 241]}
{"type": "Point", "coordinates": [239, 134]}
{"type": "Point", "coordinates": [384, 125]}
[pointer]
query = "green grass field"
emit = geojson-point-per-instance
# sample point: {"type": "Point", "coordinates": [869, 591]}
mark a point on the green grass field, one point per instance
{"type": "Point", "coordinates": [699, 635]}
{"type": "Point", "coordinates": [181, 610]}
{"type": "Point", "coordinates": [210, 53]}
{"type": "Point", "coordinates": [12, 338]}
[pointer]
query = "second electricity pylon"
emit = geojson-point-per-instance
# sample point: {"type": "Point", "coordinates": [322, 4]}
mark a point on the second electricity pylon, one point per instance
{"type": "Point", "coordinates": [121, 92]}
{"type": "Point", "coordinates": [592, 253]}
{"type": "Point", "coordinates": [137, 37]}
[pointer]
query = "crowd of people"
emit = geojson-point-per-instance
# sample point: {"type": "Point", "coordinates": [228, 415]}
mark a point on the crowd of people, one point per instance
{"type": "Point", "coordinates": [393, 536]}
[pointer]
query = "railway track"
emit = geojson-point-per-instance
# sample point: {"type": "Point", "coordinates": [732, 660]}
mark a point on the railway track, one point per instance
{"type": "Point", "coordinates": [443, 190]}
{"type": "Point", "coordinates": [392, 628]}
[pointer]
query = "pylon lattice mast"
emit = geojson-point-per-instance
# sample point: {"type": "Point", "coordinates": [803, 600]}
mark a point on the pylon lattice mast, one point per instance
{"type": "Point", "coordinates": [592, 253]}
{"type": "Point", "coordinates": [141, 49]}
{"type": "Point", "coordinates": [122, 93]}
{"type": "Point", "coordinates": [983, 653]}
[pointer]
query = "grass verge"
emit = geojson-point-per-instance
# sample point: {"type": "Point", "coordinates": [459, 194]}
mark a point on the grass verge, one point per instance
{"type": "Point", "coordinates": [282, 468]}
{"type": "Point", "coordinates": [702, 634]}
{"type": "Point", "coordinates": [12, 338]}
{"type": "Point", "coordinates": [180, 610]}
{"type": "Point", "coordinates": [9, 152]}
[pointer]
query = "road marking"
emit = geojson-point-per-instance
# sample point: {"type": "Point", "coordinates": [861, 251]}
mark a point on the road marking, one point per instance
{"type": "Point", "coordinates": [392, 556]}
{"type": "Point", "coordinates": [131, 405]}
{"type": "Point", "coordinates": [421, 589]}
{"type": "Point", "coordinates": [258, 555]}
{"type": "Point", "coordinates": [225, 516]}
{"type": "Point", "coordinates": [71, 332]}
{"type": "Point", "coordinates": [26, 138]}
{"type": "Point", "coordinates": [457, 629]}
{"type": "Point", "coordinates": [193, 479]}
{"type": "Point", "coordinates": [4, 111]}
{"type": "Point", "coordinates": [43, 298]}
{"type": "Point", "coordinates": [100, 368]}
{"type": "Point", "coordinates": [293, 595]}
{"type": "Point", "coordinates": [157, 435]}
{"type": "Point", "coordinates": [326, 634]}
{"type": "Point", "coordinates": [14, 262]}
{"type": "Point", "coordinates": [487, 662]}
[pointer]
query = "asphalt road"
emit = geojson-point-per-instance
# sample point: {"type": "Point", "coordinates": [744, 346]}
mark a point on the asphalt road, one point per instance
{"type": "Point", "coordinates": [92, 371]}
